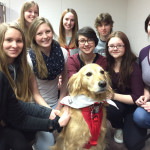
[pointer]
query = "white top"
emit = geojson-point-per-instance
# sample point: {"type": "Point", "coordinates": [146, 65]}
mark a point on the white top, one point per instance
{"type": "Point", "coordinates": [49, 88]}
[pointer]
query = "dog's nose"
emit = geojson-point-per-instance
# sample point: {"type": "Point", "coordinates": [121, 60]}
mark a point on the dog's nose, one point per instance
{"type": "Point", "coordinates": [102, 84]}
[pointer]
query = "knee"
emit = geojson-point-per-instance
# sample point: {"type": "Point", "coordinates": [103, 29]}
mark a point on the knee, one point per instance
{"type": "Point", "coordinates": [133, 143]}
{"type": "Point", "coordinates": [139, 116]}
{"type": "Point", "coordinates": [134, 146]}
{"type": "Point", "coordinates": [23, 147]}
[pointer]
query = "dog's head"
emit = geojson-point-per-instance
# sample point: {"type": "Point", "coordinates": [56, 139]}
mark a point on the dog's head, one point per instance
{"type": "Point", "coordinates": [92, 81]}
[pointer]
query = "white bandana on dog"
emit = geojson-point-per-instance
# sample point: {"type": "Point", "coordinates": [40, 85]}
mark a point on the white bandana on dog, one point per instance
{"type": "Point", "coordinates": [81, 101]}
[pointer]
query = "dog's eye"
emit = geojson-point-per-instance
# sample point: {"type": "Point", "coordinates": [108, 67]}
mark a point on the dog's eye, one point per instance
{"type": "Point", "coordinates": [102, 72]}
{"type": "Point", "coordinates": [89, 74]}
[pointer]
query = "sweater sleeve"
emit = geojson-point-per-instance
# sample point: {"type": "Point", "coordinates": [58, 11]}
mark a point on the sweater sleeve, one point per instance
{"type": "Point", "coordinates": [35, 109]}
{"type": "Point", "coordinates": [137, 85]}
{"type": "Point", "coordinates": [73, 65]}
{"type": "Point", "coordinates": [16, 114]}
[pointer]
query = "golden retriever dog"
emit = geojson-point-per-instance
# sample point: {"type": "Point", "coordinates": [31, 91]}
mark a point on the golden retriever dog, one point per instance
{"type": "Point", "coordinates": [88, 90]}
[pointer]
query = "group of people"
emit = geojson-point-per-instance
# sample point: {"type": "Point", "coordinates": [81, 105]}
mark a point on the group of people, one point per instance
{"type": "Point", "coordinates": [35, 67]}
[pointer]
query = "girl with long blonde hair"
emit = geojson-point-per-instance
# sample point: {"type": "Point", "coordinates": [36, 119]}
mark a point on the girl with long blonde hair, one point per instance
{"type": "Point", "coordinates": [48, 61]}
{"type": "Point", "coordinates": [17, 69]}
{"type": "Point", "coordinates": [29, 11]}
{"type": "Point", "coordinates": [19, 120]}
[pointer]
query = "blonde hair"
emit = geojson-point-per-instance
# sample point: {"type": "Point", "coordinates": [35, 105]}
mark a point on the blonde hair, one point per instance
{"type": "Point", "coordinates": [21, 87]}
{"type": "Point", "coordinates": [41, 66]}
{"type": "Point", "coordinates": [22, 21]}
{"type": "Point", "coordinates": [62, 36]}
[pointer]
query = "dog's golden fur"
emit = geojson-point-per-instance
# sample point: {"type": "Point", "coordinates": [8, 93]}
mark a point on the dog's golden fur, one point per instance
{"type": "Point", "coordinates": [77, 133]}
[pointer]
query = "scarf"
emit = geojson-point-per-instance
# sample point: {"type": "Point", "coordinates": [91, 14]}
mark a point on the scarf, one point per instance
{"type": "Point", "coordinates": [54, 62]}
{"type": "Point", "coordinates": [81, 101]}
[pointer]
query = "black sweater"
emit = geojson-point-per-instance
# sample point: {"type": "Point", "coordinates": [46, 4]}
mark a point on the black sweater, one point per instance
{"type": "Point", "coordinates": [21, 115]}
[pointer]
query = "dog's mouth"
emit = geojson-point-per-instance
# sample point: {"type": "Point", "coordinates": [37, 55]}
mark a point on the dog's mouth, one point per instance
{"type": "Point", "coordinates": [102, 90]}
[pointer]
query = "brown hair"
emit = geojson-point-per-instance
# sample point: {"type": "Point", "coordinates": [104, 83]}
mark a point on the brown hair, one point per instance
{"type": "Point", "coordinates": [146, 23]}
{"type": "Point", "coordinates": [128, 59]}
{"type": "Point", "coordinates": [103, 17]}
{"type": "Point", "coordinates": [21, 87]}
{"type": "Point", "coordinates": [62, 36]}
{"type": "Point", "coordinates": [22, 21]}
{"type": "Point", "coordinates": [41, 66]}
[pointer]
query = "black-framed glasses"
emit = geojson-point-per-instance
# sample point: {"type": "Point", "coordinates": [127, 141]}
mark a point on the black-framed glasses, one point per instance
{"type": "Point", "coordinates": [112, 47]}
{"type": "Point", "coordinates": [83, 41]}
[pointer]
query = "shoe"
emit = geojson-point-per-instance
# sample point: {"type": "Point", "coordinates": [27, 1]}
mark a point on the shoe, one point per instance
{"type": "Point", "coordinates": [33, 147]}
{"type": "Point", "coordinates": [118, 136]}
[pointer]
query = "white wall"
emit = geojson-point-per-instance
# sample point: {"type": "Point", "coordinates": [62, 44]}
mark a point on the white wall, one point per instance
{"type": "Point", "coordinates": [137, 12]}
{"type": "Point", "coordinates": [128, 15]}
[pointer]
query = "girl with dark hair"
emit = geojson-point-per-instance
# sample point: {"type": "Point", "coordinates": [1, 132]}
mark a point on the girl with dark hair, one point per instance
{"type": "Point", "coordinates": [142, 113]}
{"type": "Point", "coordinates": [127, 84]}
{"type": "Point", "coordinates": [86, 41]}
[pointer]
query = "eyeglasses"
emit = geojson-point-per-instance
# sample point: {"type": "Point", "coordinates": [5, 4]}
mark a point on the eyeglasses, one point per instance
{"type": "Point", "coordinates": [83, 41]}
{"type": "Point", "coordinates": [112, 47]}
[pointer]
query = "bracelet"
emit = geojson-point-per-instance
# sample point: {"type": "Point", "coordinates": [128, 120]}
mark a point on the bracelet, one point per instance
{"type": "Point", "coordinates": [57, 125]}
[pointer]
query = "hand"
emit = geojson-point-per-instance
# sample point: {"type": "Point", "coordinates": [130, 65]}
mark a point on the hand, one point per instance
{"type": "Point", "coordinates": [111, 94]}
{"type": "Point", "coordinates": [2, 123]}
{"type": "Point", "coordinates": [65, 117]}
{"type": "Point", "coordinates": [59, 106]}
{"type": "Point", "coordinates": [59, 82]}
{"type": "Point", "coordinates": [54, 113]}
{"type": "Point", "coordinates": [146, 106]}
{"type": "Point", "coordinates": [142, 100]}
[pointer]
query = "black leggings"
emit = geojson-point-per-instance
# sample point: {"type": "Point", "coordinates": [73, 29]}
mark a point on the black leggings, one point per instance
{"type": "Point", "coordinates": [123, 118]}
{"type": "Point", "coordinates": [14, 139]}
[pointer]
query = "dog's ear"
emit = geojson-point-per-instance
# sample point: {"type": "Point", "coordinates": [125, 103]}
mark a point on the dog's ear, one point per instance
{"type": "Point", "coordinates": [74, 84]}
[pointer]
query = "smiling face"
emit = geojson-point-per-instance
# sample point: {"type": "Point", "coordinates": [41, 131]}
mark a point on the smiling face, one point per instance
{"type": "Point", "coordinates": [116, 48]}
{"type": "Point", "coordinates": [31, 14]}
{"type": "Point", "coordinates": [13, 44]}
{"type": "Point", "coordinates": [44, 36]}
{"type": "Point", "coordinates": [87, 47]}
{"type": "Point", "coordinates": [68, 21]}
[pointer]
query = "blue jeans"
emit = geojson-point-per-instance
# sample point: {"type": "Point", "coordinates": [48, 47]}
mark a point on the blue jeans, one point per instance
{"type": "Point", "coordinates": [142, 118]}
{"type": "Point", "coordinates": [44, 139]}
